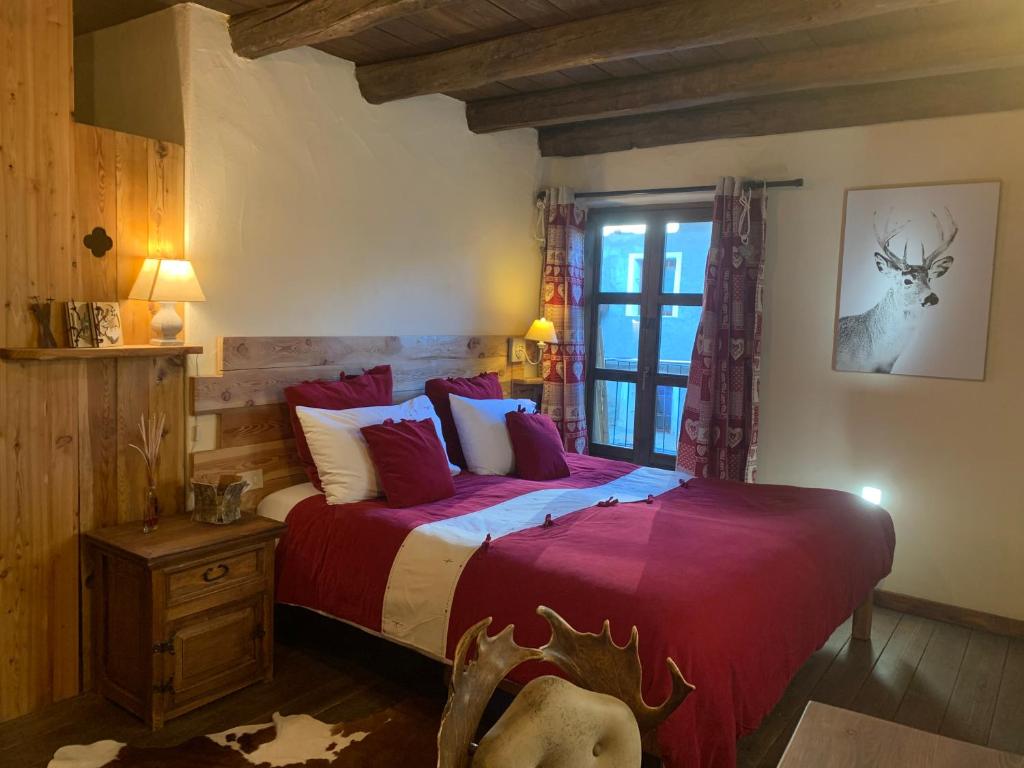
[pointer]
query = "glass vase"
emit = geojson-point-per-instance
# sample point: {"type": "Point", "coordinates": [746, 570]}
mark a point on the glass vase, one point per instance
{"type": "Point", "coordinates": [152, 512]}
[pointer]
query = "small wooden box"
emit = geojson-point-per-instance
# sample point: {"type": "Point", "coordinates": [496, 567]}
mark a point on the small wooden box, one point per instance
{"type": "Point", "coordinates": [183, 615]}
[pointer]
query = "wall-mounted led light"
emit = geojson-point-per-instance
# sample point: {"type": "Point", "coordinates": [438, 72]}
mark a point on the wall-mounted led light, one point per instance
{"type": "Point", "coordinates": [874, 495]}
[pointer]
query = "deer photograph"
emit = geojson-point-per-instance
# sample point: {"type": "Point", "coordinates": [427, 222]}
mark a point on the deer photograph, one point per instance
{"type": "Point", "coordinates": [915, 280]}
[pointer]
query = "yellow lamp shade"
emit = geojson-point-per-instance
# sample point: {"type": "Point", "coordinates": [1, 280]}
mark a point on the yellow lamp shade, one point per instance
{"type": "Point", "coordinates": [543, 331]}
{"type": "Point", "coordinates": [167, 280]}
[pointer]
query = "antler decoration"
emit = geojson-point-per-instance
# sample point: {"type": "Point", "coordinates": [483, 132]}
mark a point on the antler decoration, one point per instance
{"type": "Point", "coordinates": [596, 663]}
{"type": "Point", "coordinates": [472, 685]}
{"type": "Point", "coordinates": [945, 241]}
{"type": "Point", "coordinates": [886, 238]}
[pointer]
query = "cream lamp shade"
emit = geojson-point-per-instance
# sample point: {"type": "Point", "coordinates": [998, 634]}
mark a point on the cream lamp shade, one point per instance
{"type": "Point", "coordinates": [166, 281]}
{"type": "Point", "coordinates": [543, 332]}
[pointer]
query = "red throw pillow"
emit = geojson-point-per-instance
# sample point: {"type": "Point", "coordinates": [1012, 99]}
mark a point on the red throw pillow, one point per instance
{"type": "Point", "coordinates": [485, 386]}
{"type": "Point", "coordinates": [538, 448]}
{"type": "Point", "coordinates": [373, 387]}
{"type": "Point", "coordinates": [410, 462]}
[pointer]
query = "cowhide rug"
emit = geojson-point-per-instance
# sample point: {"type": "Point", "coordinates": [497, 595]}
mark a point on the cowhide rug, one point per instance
{"type": "Point", "coordinates": [402, 737]}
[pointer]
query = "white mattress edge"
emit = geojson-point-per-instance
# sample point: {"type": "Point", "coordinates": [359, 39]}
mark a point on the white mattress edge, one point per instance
{"type": "Point", "coordinates": [278, 504]}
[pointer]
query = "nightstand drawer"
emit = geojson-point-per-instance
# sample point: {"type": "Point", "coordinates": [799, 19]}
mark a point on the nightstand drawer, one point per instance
{"type": "Point", "coordinates": [214, 574]}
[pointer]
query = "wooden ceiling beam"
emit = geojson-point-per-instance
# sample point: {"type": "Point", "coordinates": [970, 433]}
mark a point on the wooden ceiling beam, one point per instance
{"type": "Point", "coordinates": [293, 23]}
{"type": "Point", "coordinates": [637, 32]}
{"type": "Point", "coordinates": [899, 57]}
{"type": "Point", "coordinates": [944, 96]}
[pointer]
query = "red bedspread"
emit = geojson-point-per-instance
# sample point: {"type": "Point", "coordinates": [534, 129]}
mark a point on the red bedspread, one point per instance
{"type": "Point", "coordinates": [738, 583]}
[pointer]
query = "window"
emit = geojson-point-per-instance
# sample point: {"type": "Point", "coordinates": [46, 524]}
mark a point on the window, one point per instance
{"type": "Point", "coordinates": [645, 283]}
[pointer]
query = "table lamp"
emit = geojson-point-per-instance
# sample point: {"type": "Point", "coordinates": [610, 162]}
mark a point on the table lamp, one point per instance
{"type": "Point", "coordinates": [166, 281]}
{"type": "Point", "coordinates": [543, 332]}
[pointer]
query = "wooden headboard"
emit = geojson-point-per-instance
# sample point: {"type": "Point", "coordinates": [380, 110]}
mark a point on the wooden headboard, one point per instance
{"type": "Point", "coordinates": [247, 397]}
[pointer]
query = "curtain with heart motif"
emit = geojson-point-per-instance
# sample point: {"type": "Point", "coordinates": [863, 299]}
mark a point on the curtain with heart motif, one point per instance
{"type": "Point", "coordinates": [564, 364]}
{"type": "Point", "coordinates": [718, 436]}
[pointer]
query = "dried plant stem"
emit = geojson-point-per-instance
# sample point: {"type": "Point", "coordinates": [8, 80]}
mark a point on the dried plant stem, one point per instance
{"type": "Point", "coordinates": [152, 433]}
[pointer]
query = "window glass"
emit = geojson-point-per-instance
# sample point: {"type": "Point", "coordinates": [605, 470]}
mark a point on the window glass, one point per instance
{"type": "Point", "coordinates": [686, 256]}
{"type": "Point", "coordinates": [678, 332]}
{"type": "Point", "coordinates": [668, 412]}
{"type": "Point", "coordinates": [622, 258]}
{"type": "Point", "coordinates": [618, 336]}
{"type": "Point", "coordinates": [614, 413]}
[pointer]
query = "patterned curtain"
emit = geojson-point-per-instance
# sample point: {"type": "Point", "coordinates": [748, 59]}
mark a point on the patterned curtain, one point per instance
{"type": "Point", "coordinates": [718, 436]}
{"type": "Point", "coordinates": [564, 364]}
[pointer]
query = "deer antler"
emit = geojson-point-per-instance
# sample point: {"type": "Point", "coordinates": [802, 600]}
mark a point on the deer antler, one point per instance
{"type": "Point", "coordinates": [472, 685]}
{"type": "Point", "coordinates": [595, 662]}
{"type": "Point", "coordinates": [885, 239]}
{"type": "Point", "coordinates": [946, 241]}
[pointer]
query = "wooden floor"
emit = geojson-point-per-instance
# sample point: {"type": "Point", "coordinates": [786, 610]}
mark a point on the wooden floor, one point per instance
{"type": "Point", "coordinates": [938, 677]}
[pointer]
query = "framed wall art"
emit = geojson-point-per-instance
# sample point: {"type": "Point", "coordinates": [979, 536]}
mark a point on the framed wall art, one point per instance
{"type": "Point", "coordinates": [915, 279]}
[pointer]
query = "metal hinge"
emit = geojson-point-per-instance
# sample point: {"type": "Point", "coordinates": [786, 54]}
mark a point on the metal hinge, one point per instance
{"type": "Point", "coordinates": [165, 687]}
{"type": "Point", "coordinates": [165, 647]}
{"type": "Point", "coordinates": [259, 632]}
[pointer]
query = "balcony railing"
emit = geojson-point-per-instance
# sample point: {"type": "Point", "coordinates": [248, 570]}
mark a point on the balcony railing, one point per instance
{"type": "Point", "coordinates": [615, 406]}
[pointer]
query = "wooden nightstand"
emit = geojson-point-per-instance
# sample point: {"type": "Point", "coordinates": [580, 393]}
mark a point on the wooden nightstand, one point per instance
{"type": "Point", "coordinates": [528, 389]}
{"type": "Point", "coordinates": [183, 615]}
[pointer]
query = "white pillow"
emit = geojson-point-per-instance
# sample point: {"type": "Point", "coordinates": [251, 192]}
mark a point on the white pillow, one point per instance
{"type": "Point", "coordinates": [339, 449]}
{"type": "Point", "coordinates": [484, 434]}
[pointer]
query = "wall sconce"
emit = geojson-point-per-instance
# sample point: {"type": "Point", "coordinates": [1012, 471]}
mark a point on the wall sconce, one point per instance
{"type": "Point", "coordinates": [543, 332]}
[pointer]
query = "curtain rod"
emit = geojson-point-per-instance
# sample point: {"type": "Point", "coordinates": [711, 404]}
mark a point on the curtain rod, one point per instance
{"type": "Point", "coordinates": [679, 190]}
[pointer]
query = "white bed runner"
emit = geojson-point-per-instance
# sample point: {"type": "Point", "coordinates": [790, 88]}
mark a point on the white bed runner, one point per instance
{"type": "Point", "coordinates": [426, 570]}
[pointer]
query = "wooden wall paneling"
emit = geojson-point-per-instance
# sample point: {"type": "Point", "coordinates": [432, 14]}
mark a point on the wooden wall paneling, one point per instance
{"type": "Point", "coordinates": [146, 386]}
{"type": "Point", "coordinates": [166, 199]}
{"type": "Point", "coordinates": [38, 422]}
{"type": "Point", "coordinates": [246, 352]}
{"type": "Point", "coordinates": [166, 208]}
{"type": "Point", "coordinates": [132, 387]}
{"type": "Point", "coordinates": [95, 206]}
{"type": "Point", "coordinates": [249, 426]}
{"type": "Point", "coordinates": [132, 175]}
{"type": "Point", "coordinates": [97, 489]}
{"type": "Point", "coordinates": [167, 389]}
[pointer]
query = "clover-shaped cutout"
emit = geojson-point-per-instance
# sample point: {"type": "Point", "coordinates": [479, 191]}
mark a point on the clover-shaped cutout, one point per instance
{"type": "Point", "coordinates": [98, 241]}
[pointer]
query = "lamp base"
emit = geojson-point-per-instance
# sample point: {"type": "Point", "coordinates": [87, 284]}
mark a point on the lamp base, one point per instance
{"type": "Point", "coordinates": [166, 326]}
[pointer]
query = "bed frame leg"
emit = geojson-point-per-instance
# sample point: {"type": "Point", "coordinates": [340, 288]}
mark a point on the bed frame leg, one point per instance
{"type": "Point", "coordinates": [862, 619]}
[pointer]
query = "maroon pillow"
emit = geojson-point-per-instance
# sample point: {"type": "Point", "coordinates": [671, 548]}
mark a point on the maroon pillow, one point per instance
{"type": "Point", "coordinates": [485, 386]}
{"type": "Point", "coordinates": [410, 462]}
{"type": "Point", "coordinates": [538, 448]}
{"type": "Point", "coordinates": [372, 387]}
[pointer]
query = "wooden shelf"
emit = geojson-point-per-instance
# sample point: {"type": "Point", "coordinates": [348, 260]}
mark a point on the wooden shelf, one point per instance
{"type": "Point", "coordinates": [96, 353]}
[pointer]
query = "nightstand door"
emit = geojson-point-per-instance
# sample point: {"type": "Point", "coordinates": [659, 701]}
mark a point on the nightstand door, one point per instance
{"type": "Point", "coordinates": [215, 652]}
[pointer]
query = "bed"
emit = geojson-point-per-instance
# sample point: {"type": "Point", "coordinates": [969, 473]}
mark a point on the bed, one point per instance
{"type": "Point", "coordinates": [738, 584]}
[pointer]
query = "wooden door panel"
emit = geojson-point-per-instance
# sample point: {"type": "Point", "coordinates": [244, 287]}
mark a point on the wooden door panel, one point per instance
{"type": "Point", "coordinates": [215, 652]}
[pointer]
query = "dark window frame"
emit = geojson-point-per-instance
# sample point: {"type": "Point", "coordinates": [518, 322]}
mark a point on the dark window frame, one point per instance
{"type": "Point", "coordinates": [651, 300]}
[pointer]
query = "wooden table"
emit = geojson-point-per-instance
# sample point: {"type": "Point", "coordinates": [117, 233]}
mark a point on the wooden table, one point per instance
{"type": "Point", "coordinates": [828, 737]}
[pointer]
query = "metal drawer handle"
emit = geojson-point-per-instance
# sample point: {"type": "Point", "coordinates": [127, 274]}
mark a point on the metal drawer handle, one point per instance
{"type": "Point", "coordinates": [215, 573]}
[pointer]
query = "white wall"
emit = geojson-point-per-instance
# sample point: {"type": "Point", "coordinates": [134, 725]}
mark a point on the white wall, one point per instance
{"type": "Point", "coordinates": [948, 454]}
{"type": "Point", "coordinates": [310, 211]}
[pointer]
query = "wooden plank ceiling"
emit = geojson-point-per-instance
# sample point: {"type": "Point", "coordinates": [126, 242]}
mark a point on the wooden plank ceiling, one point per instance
{"type": "Point", "coordinates": [604, 75]}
